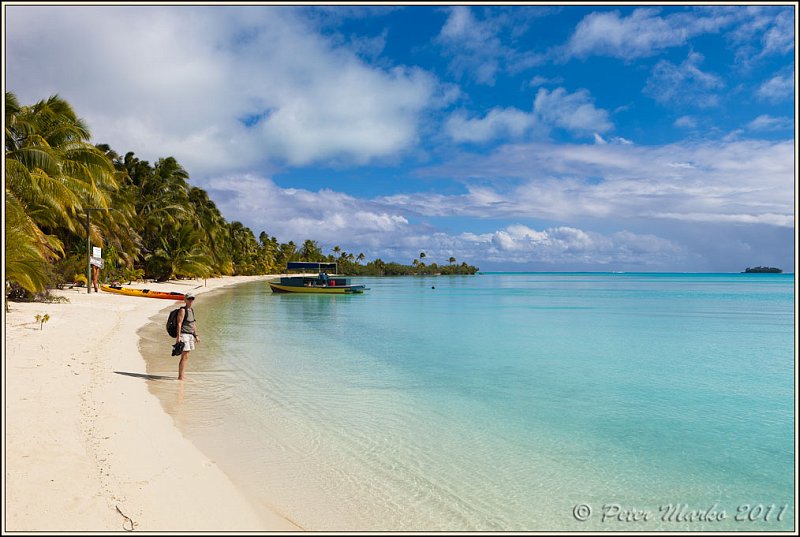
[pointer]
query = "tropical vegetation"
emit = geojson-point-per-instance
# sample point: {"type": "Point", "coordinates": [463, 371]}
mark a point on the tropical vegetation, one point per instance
{"type": "Point", "coordinates": [148, 219]}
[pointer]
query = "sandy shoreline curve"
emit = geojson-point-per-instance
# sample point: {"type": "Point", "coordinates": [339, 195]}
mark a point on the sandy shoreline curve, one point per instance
{"type": "Point", "coordinates": [87, 446]}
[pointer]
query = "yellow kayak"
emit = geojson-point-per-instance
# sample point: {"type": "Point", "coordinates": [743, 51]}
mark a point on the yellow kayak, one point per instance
{"type": "Point", "coordinates": [147, 293]}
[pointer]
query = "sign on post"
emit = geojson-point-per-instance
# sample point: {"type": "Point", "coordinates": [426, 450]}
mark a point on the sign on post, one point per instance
{"type": "Point", "coordinates": [96, 259]}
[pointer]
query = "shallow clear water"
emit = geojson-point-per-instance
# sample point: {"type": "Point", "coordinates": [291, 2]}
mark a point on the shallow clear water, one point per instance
{"type": "Point", "coordinates": [500, 401]}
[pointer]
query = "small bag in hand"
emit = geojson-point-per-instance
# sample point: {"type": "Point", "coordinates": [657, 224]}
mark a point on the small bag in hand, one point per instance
{"type": "Point", "coordinates": [177, 349]}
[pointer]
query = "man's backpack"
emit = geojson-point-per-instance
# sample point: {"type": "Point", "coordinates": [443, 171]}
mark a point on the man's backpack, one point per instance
{"type": "Point", "coordinates": [172, 322]}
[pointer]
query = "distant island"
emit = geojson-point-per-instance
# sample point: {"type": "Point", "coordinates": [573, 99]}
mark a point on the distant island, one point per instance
{"type": "Point", "coordinates": [762, 270]}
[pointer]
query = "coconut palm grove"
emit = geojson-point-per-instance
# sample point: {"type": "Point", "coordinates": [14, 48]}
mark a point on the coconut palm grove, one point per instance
{"type": "Point", "coordinates": [150, 222]}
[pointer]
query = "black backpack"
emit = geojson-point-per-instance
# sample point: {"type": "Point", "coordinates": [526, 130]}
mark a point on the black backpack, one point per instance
{"type": "Point", "coordinates": [172, 322]}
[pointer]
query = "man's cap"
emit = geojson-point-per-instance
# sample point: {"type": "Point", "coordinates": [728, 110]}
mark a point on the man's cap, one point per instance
{"type": "Point", "coordinates": [189, 295]}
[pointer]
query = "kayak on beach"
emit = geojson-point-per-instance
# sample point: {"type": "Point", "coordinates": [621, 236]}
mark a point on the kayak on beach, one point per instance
{"type": "Point", "coordinates": [148, 293]}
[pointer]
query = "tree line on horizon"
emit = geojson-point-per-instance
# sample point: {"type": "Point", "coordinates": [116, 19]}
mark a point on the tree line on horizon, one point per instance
{"type": "Point", "coordinates": [147, 218]}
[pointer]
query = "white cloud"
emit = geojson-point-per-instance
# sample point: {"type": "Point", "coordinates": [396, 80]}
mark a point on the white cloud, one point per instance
{"type": "Point", "coordinates": [733, 136]}
{"type": "Point", "coordinates": [541, 81]}
{"type": "Point", "coordinates": [779, 37]}
{"type": "Point", "coordinates": [778, 88]}
{"type": "Point", "coordinates": [349, 118]}
{"type": "Point", "coordinates": [476, 48]}
{"type": "Point", "coordinates": [764, 31]}
{"type": "Point", "coordinates": [766, 122]}
{"type": "Point", "coordinates": [518, 243]}
{"type": "Point", "coordinates": [779, 220]}
{"type": "Point", "coordinates": [686, 121]}
{"type": "Point", "coordinates": [574, 112]}
{"type": "Point", "coordinates": [683, 84]}
{"type": "Point", "coordinates": [614, 140]}
{"type": "Point", "coordinates": [497, 123]}
{"type": "Point", "coordinates": [642, 34]}
{"type": "Point", "coordinates": [379, 229]}
{"type": "Point", "coordinates": [212, 86]}
{"type": "Point", "coordinates": [747, 181]}
{"type": "Point", "coordinates": [631, 188]}
{"type": "Point", "coordinates": [297, 214]}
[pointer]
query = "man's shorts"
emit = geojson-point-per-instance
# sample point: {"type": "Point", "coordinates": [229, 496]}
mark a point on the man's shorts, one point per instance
{"type": "Point", "coordinates": [188, 342]}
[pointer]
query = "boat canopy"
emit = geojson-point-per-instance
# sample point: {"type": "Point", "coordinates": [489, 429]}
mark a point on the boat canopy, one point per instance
{"type": "Point", "coordinates": [305, 265]}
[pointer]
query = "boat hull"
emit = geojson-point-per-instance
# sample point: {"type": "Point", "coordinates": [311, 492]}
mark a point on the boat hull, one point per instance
{"type": "Point", "coordinates": [146, 293]}
{"type": "Point", "coordinates": [337, 290]}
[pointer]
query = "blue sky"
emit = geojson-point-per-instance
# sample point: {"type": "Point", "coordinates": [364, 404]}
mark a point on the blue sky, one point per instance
{"type": "Point", "coordinates": [599, 137]}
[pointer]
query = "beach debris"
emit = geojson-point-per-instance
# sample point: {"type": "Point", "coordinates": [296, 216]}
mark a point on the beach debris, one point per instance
{"type": "Point", "coordinates": [128, 520]}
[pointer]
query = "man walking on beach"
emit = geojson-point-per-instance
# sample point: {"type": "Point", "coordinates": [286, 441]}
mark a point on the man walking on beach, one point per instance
{"type": "Point", "coordinates": [187, 332]}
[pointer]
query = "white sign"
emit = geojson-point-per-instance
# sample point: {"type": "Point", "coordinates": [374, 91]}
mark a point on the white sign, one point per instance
{"type": "Point", "coordinates": [96, 252]}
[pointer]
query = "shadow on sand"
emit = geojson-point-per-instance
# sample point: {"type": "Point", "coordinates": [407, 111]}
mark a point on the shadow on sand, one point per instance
{"type": "Point", "coordinates": [145, 376]}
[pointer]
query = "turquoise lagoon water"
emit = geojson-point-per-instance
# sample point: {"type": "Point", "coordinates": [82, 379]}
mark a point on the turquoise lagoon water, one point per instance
{"type": "Point", "coordinates": [526, 401]}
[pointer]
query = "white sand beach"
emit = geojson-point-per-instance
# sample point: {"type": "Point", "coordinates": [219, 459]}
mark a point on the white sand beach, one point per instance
{"type": "Point", "coordinates": [87, 446]}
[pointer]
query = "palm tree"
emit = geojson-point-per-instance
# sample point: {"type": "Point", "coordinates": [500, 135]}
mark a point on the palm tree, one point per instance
{"type": "Point", "coordinates": [213, 226]}
{"type": "Point", "coordinates": [164, 195]}
{"type": "Point", "coordinates": [379, 266]}
{"type": "Point", "coordinates": [25, 260]}
{"type": "Point", "coordinates": [181, 254]}
{"type": "Point", "coordinates": [163, 204]}
{"type": "Point", "coordinates": [310, 251]}
{"type": "Point", "coordinates": [52, 175]}
{"type": "Point", "coordinates": [34, 171]}
{"type": "Point", "coordinates": [269, 251]}
{"type": "Point", "coordinates": [120, 227]}
{"type": "Point", "coordinates": [286, 253]}
{"type": "Point", "coordinates": [452, 260]}
{"type": "Point", "coordinates": [244, 249]}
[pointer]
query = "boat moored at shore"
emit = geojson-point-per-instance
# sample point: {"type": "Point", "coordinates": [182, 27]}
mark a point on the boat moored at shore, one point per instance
{"type": "Point", "coordinates": [321, 283]}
